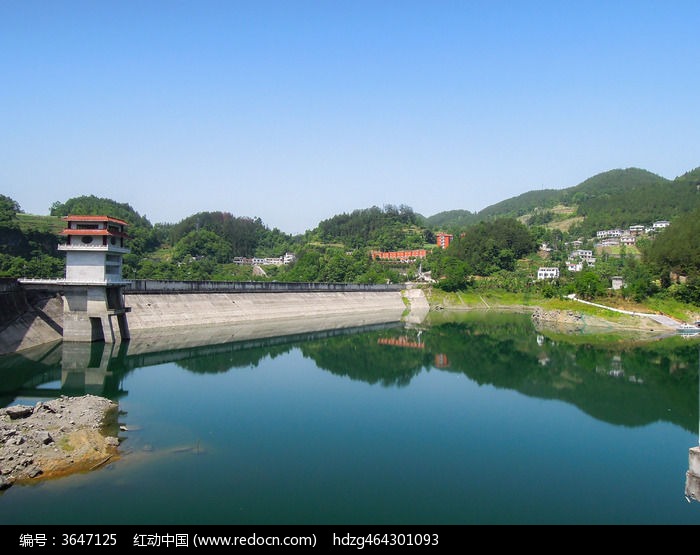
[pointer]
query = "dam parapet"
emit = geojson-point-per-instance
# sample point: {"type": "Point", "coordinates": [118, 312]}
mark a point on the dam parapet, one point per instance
{"type": "Point", "coordinates": [159, 286]}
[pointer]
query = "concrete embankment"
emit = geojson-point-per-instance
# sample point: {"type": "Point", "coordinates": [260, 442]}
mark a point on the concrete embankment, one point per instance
{"type": "Point", "coordinates": [28, 318]}
{"type": "Point", "coordinates": [172, 310]}
{"type": "Point", "coordinates": [34, 317]}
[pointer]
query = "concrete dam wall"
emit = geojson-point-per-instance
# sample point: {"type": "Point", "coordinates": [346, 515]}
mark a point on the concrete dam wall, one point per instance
{"type": "Point", "coordinates": [175, 310]}
{"type": "Point", "coordinates": [162, 308]}
{"type": "Point", "coordinates": [177, 320]}
{"type": "Point", "coordinates": [181, 304]}
{"type": "Point", "coordinates": [28, 318]}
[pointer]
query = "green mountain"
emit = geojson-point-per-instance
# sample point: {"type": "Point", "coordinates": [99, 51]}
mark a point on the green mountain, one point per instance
{"type": "Point", "coordinates": [200, 245]}
{"type": "Point", "coordinates": [612, 199]}
{"type": "Point", "coordinates": [451, 220]}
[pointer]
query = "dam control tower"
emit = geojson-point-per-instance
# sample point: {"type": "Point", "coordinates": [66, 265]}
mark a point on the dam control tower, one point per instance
{"type": "Point", "coordinates": [93, 289]}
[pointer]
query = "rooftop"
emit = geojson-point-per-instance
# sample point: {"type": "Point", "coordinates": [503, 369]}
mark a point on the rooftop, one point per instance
{"type": "Point", "coordinates": [94, 219]}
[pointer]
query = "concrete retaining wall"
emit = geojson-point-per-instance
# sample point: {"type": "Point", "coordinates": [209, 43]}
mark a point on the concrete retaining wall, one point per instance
{"type": "Point", "coordinates": [37, 316]}
{"type": "Point", "coordinates": [172, 310]}
{"type": "Point", "coordinates": [13, 301]}
{"type": "Point", "coordinates": [29, 319]}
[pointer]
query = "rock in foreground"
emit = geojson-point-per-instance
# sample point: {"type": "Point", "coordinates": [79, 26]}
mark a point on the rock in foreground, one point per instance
{"type": "Point", "coordinates": [56, 438]}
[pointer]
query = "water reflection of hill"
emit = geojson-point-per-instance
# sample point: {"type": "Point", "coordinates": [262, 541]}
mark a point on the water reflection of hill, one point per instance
{"type": "Point", "coordinates": [631, 385]}
{"type": "Point", "coordinates": [628, 385]}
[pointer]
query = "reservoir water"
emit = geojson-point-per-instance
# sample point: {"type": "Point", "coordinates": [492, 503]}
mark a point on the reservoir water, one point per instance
{"type": "Point", "coordinates": [471, 419]}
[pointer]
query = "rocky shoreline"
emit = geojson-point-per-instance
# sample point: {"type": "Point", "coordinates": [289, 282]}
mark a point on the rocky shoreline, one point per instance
{"type": "Point", "coordinates": [571, 321]}
{"type": "Point", "coordinates": [56, 438]}
{"type": "Point", "coordinates": [542, 318]}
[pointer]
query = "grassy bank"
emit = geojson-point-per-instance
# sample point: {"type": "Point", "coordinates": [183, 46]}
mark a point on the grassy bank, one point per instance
{"type": "Point", "coordinates": [475, 299]}
{"type": "Point", "coordinates": [590, 319]}
{"type": "Point", "coordinates": [503, 300]}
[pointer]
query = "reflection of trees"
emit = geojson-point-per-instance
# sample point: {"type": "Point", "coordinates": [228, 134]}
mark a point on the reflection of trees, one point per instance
{"type": "Point", "coordinates": [493, 356]}
{"type": "Point", "coordinates": [364, 358]}
{"type": "Point", "coordinates": [244, 354]}
{"type": "Point", "coordinates": [623, 384]}
{"type": "Point", "coordinates": [627, 385]}
{"type": "Point", "coordinates": [631, 385]}
{"type": "Point", "coordinates": [241, 358]}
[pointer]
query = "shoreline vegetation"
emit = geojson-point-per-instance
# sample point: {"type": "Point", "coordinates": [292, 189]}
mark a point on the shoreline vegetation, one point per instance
{"type": "Point", "coordinates": [566, 317]}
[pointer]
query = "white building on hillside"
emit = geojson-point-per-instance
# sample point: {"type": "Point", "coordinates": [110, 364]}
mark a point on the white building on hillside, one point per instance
{"type": "Point", "coordinates": [546, 272]}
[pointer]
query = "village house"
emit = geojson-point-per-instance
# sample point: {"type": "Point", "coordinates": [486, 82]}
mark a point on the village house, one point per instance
{"type": "Point", "coordinates": [606, 233]}
{"type": "Point", "coordinates": [617, 282]}
{"type": "Point", "coordinates": [287, 258]}
{"type": "Point", "coordinates": [404, 256]}
{"type": "Point", "coordinates": [546, 272]}
{"type": "Point", "coordinates": [580, 258]}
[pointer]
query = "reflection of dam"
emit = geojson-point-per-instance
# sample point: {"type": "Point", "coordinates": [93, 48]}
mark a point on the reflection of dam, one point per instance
{"type": "Point", "coordinates": [75, 369]}
{"type": "Point", "coordinates": [79, 368]}
{"type": "Point", "coordinates": [33, 388]}
{"type": "Point", "coordinates": [89, 370]}
{"type": "Point", "coordinates": [692, 477]}
{"type": "Point", "coordinates": [150, 353]}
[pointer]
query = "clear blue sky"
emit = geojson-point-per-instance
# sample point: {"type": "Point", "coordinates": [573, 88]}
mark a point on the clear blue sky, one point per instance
{"type": "Point", "coordinates": [295, 111]}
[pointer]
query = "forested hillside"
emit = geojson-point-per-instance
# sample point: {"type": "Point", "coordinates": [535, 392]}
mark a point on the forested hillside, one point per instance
{"type": "Point", "coordinates": [612, 199]}
{"type": "Point", "coordinates": [497, 247]}
{"type": "Point", "coordinates": [390, 228]}
{"type": "Point", "coordinates": [26, 252]}
{"type": "Point", "coordinates": [677, 250]}
{"type": "Point", "coordinates": [451, 220]}
{"type": "Point", "coordinates": [627, 197]}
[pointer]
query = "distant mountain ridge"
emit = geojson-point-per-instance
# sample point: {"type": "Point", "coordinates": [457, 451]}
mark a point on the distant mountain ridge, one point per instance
{"type": "Point", "coordinates": [614, 198]}
{"type": "Point", "coordinates": [204, 245]}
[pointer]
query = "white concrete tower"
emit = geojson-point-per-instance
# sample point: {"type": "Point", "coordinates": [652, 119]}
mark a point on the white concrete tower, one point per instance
{"type": "Point", "coordinates": [93, 293]}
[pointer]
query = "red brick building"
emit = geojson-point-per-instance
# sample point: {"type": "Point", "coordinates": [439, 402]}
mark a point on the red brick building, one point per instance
{"type": "Point", "coordinates": [400, 256]}
{"type": "Point", "coordinates": [443, 240]}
